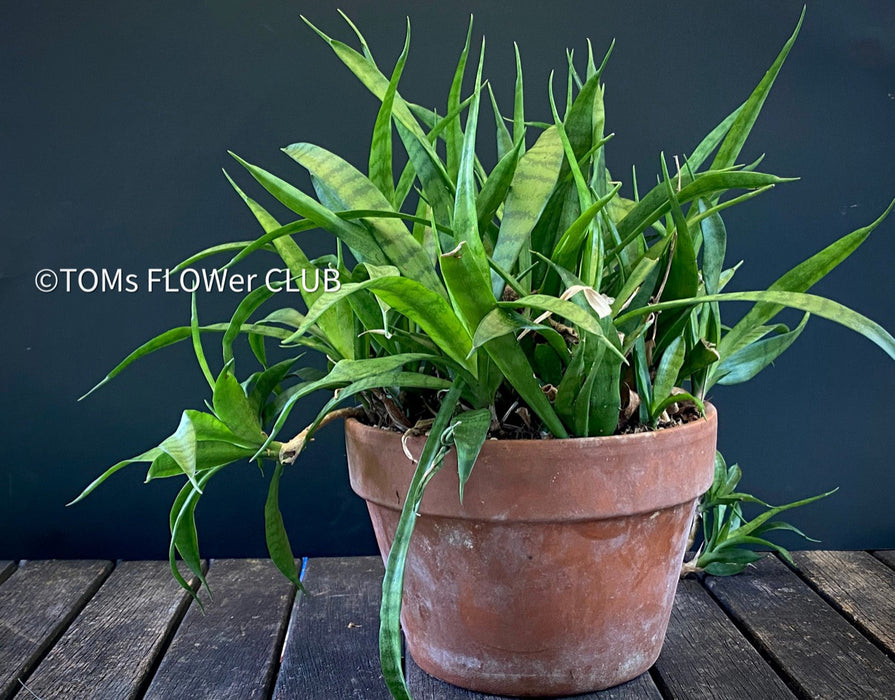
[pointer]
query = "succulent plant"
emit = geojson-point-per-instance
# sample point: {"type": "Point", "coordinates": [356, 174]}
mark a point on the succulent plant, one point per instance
{"type": "Point", "coordinates": [529, 298]}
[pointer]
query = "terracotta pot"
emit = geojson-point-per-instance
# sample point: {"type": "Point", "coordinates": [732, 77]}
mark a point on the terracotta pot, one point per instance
{"type": "Point", "coordinates": [557, 574]}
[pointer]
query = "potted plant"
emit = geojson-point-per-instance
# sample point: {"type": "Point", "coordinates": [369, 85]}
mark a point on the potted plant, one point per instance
{"type": "Point", "coordinates": [526, 354]}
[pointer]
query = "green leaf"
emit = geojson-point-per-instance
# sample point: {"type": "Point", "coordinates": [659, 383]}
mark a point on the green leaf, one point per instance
{"type": "Point", "coordinates": [465, 216]}
{"type": "Point", "coordinates": [354, 191]}
{"type": "Point", "coordinates": [683, 274]}
{"type": "Point", "coordinates": [275, 531]}
{"type": "Point", "coordinates": [181, 447]}
{"type": "Point", "coordinates": [247, 306]}
{"type": "Point", "coordinates": [655, 204]}
{"type": "Point", "coordinates": [518, 100]}
{"type": "Point", "coordinates": [358, 239]}
{"type": "Point", "coordinates": [258, 348]}
{"type": "Point", "coordinates": [470, 429]}
{"type": "Point", "coordinates": [494, 189]}
{"type": "Point", "coordinates": [504, 140]}
{"type": "Point", "coordinates": [728, 563]}
{"type": "Point", "coordinates": [799, 279]}
{"type": "Point", "coordinates": [567, 310]}
{"type": "Point", "coordinates": [499, 322]}
{"type": "Point", "coordinates": [819, 306]}
{"type": "Point", "coordinates": [366, 381]}
{"type": "Point", "coordinates": [759, 520]}
{"type": "Point", "coordinates": [598, 403]}
{"type": "Point", "coordinates": [215, 250]}
{"type": "Point", "coordinates": [367, 72]}
{"type": "Point", "coordinates": [748, 113]}
{"type": "Point", "coordinates": [533, 182]}
{"type": "Point", "coordinates": [660, 406]}
{"type": "Point", "coordinates": [267, 381]}
{"type": "Point", "coordinates": [639, 275]}
{"type": "Point", "coordinates": [210, 428]}
{"type": "Point", "coordinates": [751, 359]}
{"type": "Point", "coordinates": [421, 305]}
{"type": "Point", "coordinates": [666, 374]}
{"type": "Point", "coordinates": [175, 335]}
{"type": "Point", "coordinates": [182, 516]}
{"type": "Point", "coordinates": [147, 456]}
{"type": "Point", "coordinates": [336, 323]}
{"type": "Point", "coordinates": [209, 454]}
{"type": "Point", "coordinates": [272, 235]}
{"type": "Point", "coordinates": [453, 133]}
{"type": "Point", "coordinates": [568, 249]}
{"type": "Point", "coordinates": [430, 461]}
{"type": "Point", "coordinates": [232, 406]}
{"type": "Point", "coordinates": [184, 537]}
{"type": "Point", "coordinates": [381, 147]}
{"type": "Point", "coordinates": [197, 342]}
{"type": "Point", "coordinates": [710, 142]}
{"type": "Point", "coordinates": [438, 191]}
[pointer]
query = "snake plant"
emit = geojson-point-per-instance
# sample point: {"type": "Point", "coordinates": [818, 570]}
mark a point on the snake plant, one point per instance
{"type": "Point", "coordinates": [523, 293]}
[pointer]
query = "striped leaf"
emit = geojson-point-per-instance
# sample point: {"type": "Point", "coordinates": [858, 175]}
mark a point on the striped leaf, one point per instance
{"type": "Point", "coordinates": [381, 145]}
{"type": "Point", "coordinates": [356, 237]}
{"type": "Point", "coordinates": [408, 297]}
{"type": "Point", "coordinates": [533, 182]}
{"type": "Point", "coordinates": [354, 191]}
{"type": "Point", "coordinates": [336, 323]}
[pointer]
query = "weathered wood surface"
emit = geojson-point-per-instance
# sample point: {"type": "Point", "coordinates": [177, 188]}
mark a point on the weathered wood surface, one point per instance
{"type": "Point", "coordinates": [37, 602]}
{"type": "Point", "coordinates": [887, 556]}
{"type": "Point", "coordinates": [112, 646]}
{"type": "Point", "coordinates": [705, 656]}
{"type": "Point", "coordinates": [333, 634]}
{"type": "Point", "coordinates": [809, 642]}
{"type": "Point", "coordinates": [233, 649]}
{"type": "Point", "coordinates": [75, 630]}
{"type": "Point", "coordinates": [425, 687]}
{"type": "Point", "coordinates": [6, 569]}
{"type": "Point", "coordinates": [861, 587]}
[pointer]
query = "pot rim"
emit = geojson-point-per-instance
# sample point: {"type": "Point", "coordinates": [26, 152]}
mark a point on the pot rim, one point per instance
{"type": "Point", "coordinates": [543, 480]}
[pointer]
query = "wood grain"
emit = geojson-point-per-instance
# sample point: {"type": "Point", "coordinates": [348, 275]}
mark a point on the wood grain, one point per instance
{"type": "Point", "coordinates": [858, 585]}
{"type": "Point", "coordinates": [37, 603]}
{"type": "Point", "coordinates": [820, 652]}
{"type": "Point", "coordinates": [887, 556]}
{"type": "Point", "coordinates": [425, 687]}
{"type": "Point", "coordinates": [332, 644]}
{"type": "Point", "coordinates": [233, 649]}
{"type": "Point", "coordinates": [705, 655]}
{"type": "Point", "coordinates": [111, 647]}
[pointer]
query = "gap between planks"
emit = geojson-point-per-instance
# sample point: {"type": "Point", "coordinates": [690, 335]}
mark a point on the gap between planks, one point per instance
{"type": "Point", "coordinates": [808, 642]}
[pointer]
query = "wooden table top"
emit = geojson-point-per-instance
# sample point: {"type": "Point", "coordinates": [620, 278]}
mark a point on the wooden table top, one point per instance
{"type": "Point", "coordinates": [97, 629]}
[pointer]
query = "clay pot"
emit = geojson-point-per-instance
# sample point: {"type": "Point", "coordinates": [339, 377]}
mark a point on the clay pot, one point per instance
{"type": "Point", "coordinates": [557, 574]}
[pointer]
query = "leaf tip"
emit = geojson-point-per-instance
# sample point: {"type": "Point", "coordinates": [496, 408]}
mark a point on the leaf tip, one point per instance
{"type": "Point", "coordinates": [104, 381]}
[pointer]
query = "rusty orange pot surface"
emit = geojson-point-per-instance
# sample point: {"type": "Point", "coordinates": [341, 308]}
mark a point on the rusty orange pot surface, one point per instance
{"type": "Point", "coordinates": [557, 573]}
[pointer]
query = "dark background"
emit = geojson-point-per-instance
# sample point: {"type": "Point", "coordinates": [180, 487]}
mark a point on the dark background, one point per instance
{"type": "Point", "coordinates": [115, 120]}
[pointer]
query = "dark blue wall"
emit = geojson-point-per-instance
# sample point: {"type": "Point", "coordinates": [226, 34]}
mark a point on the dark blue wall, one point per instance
{"type": "Point", "coordinates": [115, 121]}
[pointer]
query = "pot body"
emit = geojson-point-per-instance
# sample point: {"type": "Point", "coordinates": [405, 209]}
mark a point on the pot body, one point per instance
{"type": "Point", "coordinates": [557, 573]}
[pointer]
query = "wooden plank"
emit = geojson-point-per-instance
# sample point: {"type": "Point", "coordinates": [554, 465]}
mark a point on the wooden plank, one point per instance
{"type": "Point", "coordinates": [819, 652]}
{"type": "Point", "coordinates": [111, 647]}
{"type": "Point", "coordinates": [37, 603]}
{"type": "Point", "coordinates": [332, 642]}
{"type": "Point", "coordinates": [858, 585]}
{"type": "Point", "coordinates": [425, 687]}
{"type": "Point", "coordinates": [233, 649]}
{"type": "Point", "coordinates": [6, 569]}
{"type": "Point", "coordinates": [887, 556]}
{"type": "Point", "coordinates": [706, 656]}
